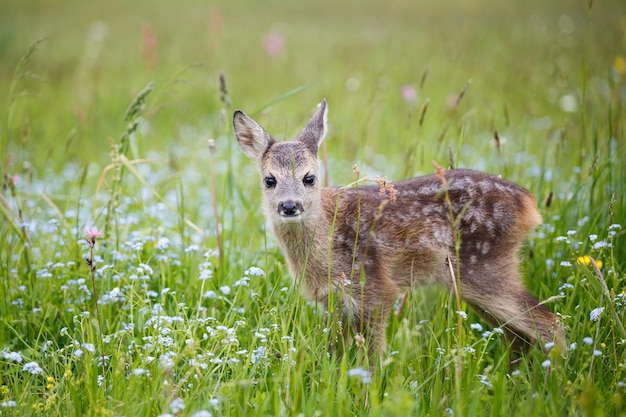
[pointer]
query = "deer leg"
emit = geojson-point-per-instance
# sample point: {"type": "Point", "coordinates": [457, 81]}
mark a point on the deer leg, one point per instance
{"type": "Point", "coordinates": [511, 306]}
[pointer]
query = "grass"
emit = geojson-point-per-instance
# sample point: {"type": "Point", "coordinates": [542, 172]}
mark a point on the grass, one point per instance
{"type": "Point", "coordinates": [194, 323]}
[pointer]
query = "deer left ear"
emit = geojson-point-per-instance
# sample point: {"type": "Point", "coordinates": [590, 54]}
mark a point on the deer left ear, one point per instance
{"type": "Point", "coordinates": [314, 132]}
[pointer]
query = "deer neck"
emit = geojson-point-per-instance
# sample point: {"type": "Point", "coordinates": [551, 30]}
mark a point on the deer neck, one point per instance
{"type": "Point", "coordinates": [304, 243]}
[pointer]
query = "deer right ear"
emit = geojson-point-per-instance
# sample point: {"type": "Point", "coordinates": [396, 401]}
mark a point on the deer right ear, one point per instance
{"type": "Point", "coordinates": [252, 138]}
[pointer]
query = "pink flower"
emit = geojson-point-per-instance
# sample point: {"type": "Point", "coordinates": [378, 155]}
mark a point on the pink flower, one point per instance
{"type": "Point", "coordinates": [274, 44]}
{"type": "Point", "coordinates": [92, 234]}
{"type": "Point", "coordinates": [408, 94]}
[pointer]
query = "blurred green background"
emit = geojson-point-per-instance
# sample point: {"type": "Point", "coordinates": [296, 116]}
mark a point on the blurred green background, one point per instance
{"type": "Point", "coordinates": [521, 58]}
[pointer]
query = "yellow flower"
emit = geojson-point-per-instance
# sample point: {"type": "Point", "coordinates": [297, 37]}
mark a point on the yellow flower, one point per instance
{"type": "Point", "coordinates": [68, 373]}
{"type": "Point", "coordinates": [586, 260]}
{"type": "Point", "coordinates": [620, 64]}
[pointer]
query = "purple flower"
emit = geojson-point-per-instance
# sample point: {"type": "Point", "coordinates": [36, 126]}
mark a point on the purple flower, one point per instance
{"type": "Point", "coordinates": [274, 43]}
{"type": "Point", "coordinates": [409, 95]}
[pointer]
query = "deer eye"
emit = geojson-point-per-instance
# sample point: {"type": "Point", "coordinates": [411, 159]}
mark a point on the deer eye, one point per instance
{"type": "Point", "coordinates": [270, 182]}
{"type": "Point", "coordinates": [309, 180]}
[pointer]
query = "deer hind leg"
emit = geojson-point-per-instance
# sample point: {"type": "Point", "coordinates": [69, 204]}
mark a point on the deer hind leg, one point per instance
{"type": "Point", "coordinates": [506, 303]}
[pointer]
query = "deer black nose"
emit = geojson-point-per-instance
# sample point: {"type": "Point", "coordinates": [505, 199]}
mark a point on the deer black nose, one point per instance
{"type": "Point", "coordinates": [290, 208]}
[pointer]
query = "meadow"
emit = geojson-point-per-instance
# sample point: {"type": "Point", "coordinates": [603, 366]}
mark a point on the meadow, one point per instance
{"type": "Point", "coordinates": [137, 274]}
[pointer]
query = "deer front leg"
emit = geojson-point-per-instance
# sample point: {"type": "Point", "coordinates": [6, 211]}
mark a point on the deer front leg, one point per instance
{"type": "Point", "coordinates": [369, 325]}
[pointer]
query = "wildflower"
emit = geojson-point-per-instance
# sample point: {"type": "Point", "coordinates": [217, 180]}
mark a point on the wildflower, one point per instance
{"type": "Point", "coordinates": [7, 404]}
{"type": "Point", "coordinates": [92, 234]}
{"type": "Point", "coordinates": [573, 346]}
{"type": "Point", "coordinates": [484, 379]}
{"type": "Point", "coordinates": [586, 260]}
{"type": "Point", "coordinates": [202, 413]}
{"type": "Point", "coordinates": [408, 94]}
{"type": "Point", "coordinates": [620, 64]}
{"type": "Point", "coordinates": [163, 243]}
{"type": "Point", "coordinates": [13, 356]}
{"type": "Point", "coordinates": [33, 368]}
{"type": "Point", "coordinates": [597, 352]}
{"type": "Point", "coordinates": [548, 345]}
{"type": "Point", "coordinates": [463, 314]}
{"type": "Point", "coordinates": [587, 340]}
{"type": "Point", "coordinates": [254, 271]}
{"type": "Point", "coordinates": [258, 354]}
{"type": "Point", "coordinates": [359, 339]}
{"type": "Point", "coordinates": [274, 44]}
{"type": "Point", "coordinates": [476, 326]}
{"type": "Point", "coordinates": [601, 245]}
{"type": "Point", "coordinates": [89, 347]}
{"type": "Point", "coordinates": [596, 313]}
{"type": "Point", "coordinates": [546, 363]}
{"type": "Point", "coordinates": [225, 290]}
{"type": "Point", "coordinates": [365, 376]}
{"type": "Point", "coordinates": [192, 248]}
{"type": "Point", "coordinates": [568, 103]}
{"type": "Point", "coordinates": [566, 263]}
{"type": "Point", "coordinates": [177, 405]}
{"type": "Point", "coordinates": [50, 381]}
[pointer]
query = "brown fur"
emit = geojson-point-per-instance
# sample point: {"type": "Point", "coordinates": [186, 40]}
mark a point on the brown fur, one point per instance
{"type": "Point", "coordinates": [394, 245]}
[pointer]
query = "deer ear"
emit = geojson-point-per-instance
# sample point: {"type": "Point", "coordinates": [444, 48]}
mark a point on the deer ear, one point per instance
{"type": "Point", "coordinates": [314, 132]}
{"type": "Point", "coordinates": [252, 138]}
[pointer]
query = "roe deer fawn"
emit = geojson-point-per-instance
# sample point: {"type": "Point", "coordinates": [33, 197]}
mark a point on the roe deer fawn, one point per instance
{"type": "Point", "coordinates": [332, 237]}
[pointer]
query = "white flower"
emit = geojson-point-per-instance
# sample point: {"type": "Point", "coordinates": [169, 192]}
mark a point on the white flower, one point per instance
{"type": "Point", "coordinates": [254, 271]}
{"type": "Point", "coordinates": [566, 263]}
{"type": "Point", "coordinates": [476, 326]}
{"type": "Point", "coordinates": [597, 352]}
{"type": "Point", "coordinates": [596, 313]}
{"type": "Point", "coordinates": [202, 413]}
{"type": "Point", "coordinates": [573, 346]}
{"type": "Point", "coordinates": [89, 347]}
{"type": "Point", "coordinates": [177, 405]}
{"type": "Point", "coordinates": [192, 248]}
{"type": "Point", "coordinates": [365, 376]}
{"type": "Point", "coordinates": [225, 290]}
{"type": "Point", "coordinates": [601, 244]}
{"type": "Point", "coordinates": [163, 243]}
{"type": "Point", "coordinates": [33, 368]}
{"type": "Point", "coordinates": [7, 404]}
{"type": "Point", "coordinates": [484, 379]}
{"type": "Point", "coordinates": [209, 294]}
{"type": "Point", "coordinates": [463, 314]}
{"type": "Point", "coordinates": [546, 363]}
{"type": "Point", "coordinates": [13, 356]}
{"type": "Point", "coordinates": [587, 340]}
{"type": "Point", "coordinates": [548, 345]}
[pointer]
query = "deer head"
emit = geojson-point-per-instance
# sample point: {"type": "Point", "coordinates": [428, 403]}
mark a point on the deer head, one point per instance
{"type": "Point", "coordinates": [289, 170]}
